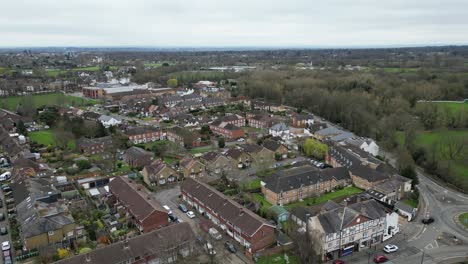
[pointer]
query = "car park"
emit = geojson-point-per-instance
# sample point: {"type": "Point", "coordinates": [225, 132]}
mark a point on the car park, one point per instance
{"type": "Point", "coordinates": [190, 214]}
{"type": "Point", "coordinates": [390, 249]}
{"type": "Point", "coordinates": [183, 208]}
{"type": "Point", "coordinates": [230, 246]}
{"type": "Point", "coordinates": [3, 230]}
{"type": "Point", "coordinates": [5, 245]}
{"type": "Point", "coordinates": [380, 259]}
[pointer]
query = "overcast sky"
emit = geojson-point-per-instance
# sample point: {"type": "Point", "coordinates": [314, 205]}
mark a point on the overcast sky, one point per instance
{"type": "Point", "coordinates": [194, 23]}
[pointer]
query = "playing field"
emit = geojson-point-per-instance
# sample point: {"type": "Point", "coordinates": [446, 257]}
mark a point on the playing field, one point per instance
{"type": "Point", "coordinates": [46, 137]}
{"type": "Point", "coordinates": [12, 102]}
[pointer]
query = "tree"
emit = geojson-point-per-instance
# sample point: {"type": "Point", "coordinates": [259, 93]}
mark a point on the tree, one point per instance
{"type": "Point", "coordinates": [62, 135]}
{"type": "Point", "coordinates": [172, 83]}
{"type": "Point", "coordinates": [313, 148]}
{"type": "Point", "coordinates": [21, 128]}
{"type": "Point", "coordinates": [205, 130]}
{"type": "Point", "coordinates": [83, 164]}
{"type": "Point", "coordinates": [221, 143]}
{"type": "Point", "coordinates": [49, 116]}
{"type": "Point", "coordinates": [101, 130]}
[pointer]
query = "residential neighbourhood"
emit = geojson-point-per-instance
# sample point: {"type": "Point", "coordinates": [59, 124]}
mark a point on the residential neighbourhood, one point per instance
{"type": "Point", "coordinates": [190, 170]}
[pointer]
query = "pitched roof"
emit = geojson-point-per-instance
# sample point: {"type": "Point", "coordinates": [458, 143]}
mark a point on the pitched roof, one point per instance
{"type": "Point", "coordinates": [140, 203]}
{"type": "Point", "coordinates": [211, 156]}
{"type": "Point", "coordinates": [367, 173]}
{"type": "Point", "coordinates": [251, 148]}
{"type": "Point", "coordinates": [234, 153]}
{"type": "Point", "coordinates": [138, 152]}
{"type": "Point", "coordinates": [155, 167]}
{"type": "Point", "coordinates": [294, 178]}
{"type": "Point", "coordinates": [271, 145]}
{"type": "Point", "coordinates": [140, 130]}
{"type": "Point", "coordinates": [227, 208]}
{"type": "Point", "coordinates": [154, 243]}
{"type": "Point", "coordinates": [280, 127]}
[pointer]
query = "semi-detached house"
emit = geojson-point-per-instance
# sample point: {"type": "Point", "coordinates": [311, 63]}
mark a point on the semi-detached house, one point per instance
{"type": "Point", "coordinates": [247, 228]}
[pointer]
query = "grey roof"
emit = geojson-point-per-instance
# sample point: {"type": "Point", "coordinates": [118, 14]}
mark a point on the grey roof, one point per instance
{"type": "Point", "coordinates": [330, 131]}
{"type": "Point", "coordinates": [106, 118]}
{"type": "Point", "coordinates": [368, 173]}
{"type": "Point", "coordinates": [375, 194]}
{"type": "Point", "coordinates": [154, 244]}
{"type": "Point", "coordinates": [404, 207]}
{"type": "Point", "coordinates": [342, 137]}
{"type": "Point", "coordinates": [280, 127]}
{"type": "Point", "coordinates": [294, 178]}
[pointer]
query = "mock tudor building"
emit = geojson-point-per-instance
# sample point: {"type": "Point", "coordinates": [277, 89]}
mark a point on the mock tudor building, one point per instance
{"type": "Point", "coordinates": [341, 231]}
{"type": "Point", "coordinates": [294, 184]}
{"type": "Point", "coordinates": [247, 228]}
{"type": "Point", "coordinates": [141, 209]}
{"type": "Point", "coordinates": [139, 135]}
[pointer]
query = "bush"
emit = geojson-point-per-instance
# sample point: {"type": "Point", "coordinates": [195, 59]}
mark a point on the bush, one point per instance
{"type": "Point", "coordinates": [83, 164]}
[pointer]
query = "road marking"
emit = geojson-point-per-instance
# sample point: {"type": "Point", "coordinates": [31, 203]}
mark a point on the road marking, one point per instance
{"type": "Point", "coordinates": [432, 245]}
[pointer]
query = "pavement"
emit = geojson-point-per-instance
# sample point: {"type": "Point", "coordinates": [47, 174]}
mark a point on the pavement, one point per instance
{"type": "Point", "coordinates": [170, 197]}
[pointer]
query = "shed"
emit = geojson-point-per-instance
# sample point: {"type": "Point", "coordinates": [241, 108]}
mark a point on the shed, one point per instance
{"type": "Point", "coordinates": [280, 213]}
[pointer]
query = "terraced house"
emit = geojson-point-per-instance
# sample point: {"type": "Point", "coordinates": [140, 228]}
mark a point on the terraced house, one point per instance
{"type": "Point", "coordinates": [250, 230]}
{"type": "Point", "coordinates": [139, 135]}
{"type": "Point", "coordinates": [294, 184]}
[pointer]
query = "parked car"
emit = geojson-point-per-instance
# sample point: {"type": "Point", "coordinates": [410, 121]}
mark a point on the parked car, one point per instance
{"type": "Point", "coordinates": [183, 208]}
{"type": "Point", "coordinates": [173, 218]}
{"type": "Point", "coordinates": [215, 233]}
{"type": "Point", "coordinates": [230, 246]}
{"type": "Point", "coordinates": [1, 203]}
{"type": "Point", "coordinates": [5, 245]}
{"type": "Point", "coordinates": [338, 261]}
{"type": "Point", "coordinates": [7, 257]}
{"type": "Point", "coordinates": [428, 221]}
{"type": "Point", "coordinates": [3, 230]}
{"type": "Point", "coordinates": [380, 259]}
{"type": "Point", "coordinates": [167, 209]}
{"type": "Point", "coordinates": [241, 140]}
{"type": "Point", "coordinates": [200, 240]}
{"type": "Point", "coordinates": [6, 188]}
{"type": "Point", "coordinates": [209, 248]}
{"type": "Point", "coordinates": [390, 248]}
{"type": "Point", "coordinates": [5, 176]}
{"type": "Point", "coordinates": [2, 217]}
{"type": "Point", "coordinates": [190, 214]}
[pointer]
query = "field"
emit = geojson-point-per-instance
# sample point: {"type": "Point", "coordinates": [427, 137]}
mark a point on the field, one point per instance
{"type": "Point", "coordinates": [427, 138]}
{"type": "Point", "coordinates": [201, 150]}
{"type": "Point", "coordinates": [46, 137]}
{"type": "Point", "coordinates": [348, 191]}
{"type": "Point", "coordinates": [49, 99]}
{"type": "Point", "coordinates": [396, 70]}
{"type": "Point", "coordinates": [463, 218]}
{"type": "Point", "coordinates": [452, 107]}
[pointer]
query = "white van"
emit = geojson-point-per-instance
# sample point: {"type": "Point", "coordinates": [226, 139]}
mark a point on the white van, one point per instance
{"type": "Point", "coordinates": [5, 176]}
{"type": "Point", "coordinates": [167, 209]}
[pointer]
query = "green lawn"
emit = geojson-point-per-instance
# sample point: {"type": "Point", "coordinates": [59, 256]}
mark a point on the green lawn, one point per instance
{"type": "Point", "coordinates": [201, 150]}
{"type": "Point", "coordinates": [91, 68]}
{"type": "Point", "coordinates": [46, 137]}
{"type": "Point", "coordinates": [254, 184]}
{"type": "Point", "coordinates": [49, 99]}
{"type": "Point", "coordinates": [348, 191]}
{"type": "Point", "coordinates": [396, 69]}
{"type": "Point", "coordinates": [463, 218]}
{"type": "Point", "coordinates": [411, 202]}
{"type": "Point", "coordinates": [260, 198]}
{"type": "Point", "coordinates": [279, 259]}
{"type": "Point", "coordinates": [453, 107]}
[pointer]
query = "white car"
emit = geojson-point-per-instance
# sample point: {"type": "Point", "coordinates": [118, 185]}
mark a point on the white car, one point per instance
{"type": "Point", "coordinates": [390, 248]}
{"type": "Point", "coordinates": [209, 249]}
{"type": "Point", "coordinates": [5, 245]}
{"type": "Point", "coordinates": [240, 140]}
{"type": "Point", "coordinates": [190, 214]}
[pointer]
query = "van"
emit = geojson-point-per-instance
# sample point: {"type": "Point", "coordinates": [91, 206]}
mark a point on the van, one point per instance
{"type": "Point", "coordinates": [5, 176]}
{"type": "Point", "coordinates": [167, 209]}
{"type": "Point", "coordinates": [215, 234]}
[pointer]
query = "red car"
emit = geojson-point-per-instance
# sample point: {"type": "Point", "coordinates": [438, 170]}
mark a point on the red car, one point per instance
{"type": "Point", "coordinates": [380, 259]}
{"type": "Point", "coordinates": [338, 261]}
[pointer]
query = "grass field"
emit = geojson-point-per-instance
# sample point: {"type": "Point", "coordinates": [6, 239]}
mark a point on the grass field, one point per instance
{"type": "Point", "coordinates": [49, 99]}
{"type": "Point", "coordinates": [46, 137]}
{"type": "Point", "coordinates": [396, 70]}
{"type": "Point", "coordinates": [201, 150]}
{"type": "Point", "coordinates": [463, 218]}
{"type": "Point", "coordinates": [153, 64]}
{"type": "Point", "coordinates": [452, 107]}
{"type": "Point", "coordinates": [427, 138]}
{"type": "Point", "coordinates": [279, 259]}
{"type": "Point", "coordinates": [348, 191]}
{"type": "Point", "coordinates": [254, 184]}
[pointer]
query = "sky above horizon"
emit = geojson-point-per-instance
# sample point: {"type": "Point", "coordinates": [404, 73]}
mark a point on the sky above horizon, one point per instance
{"type": "Point", "coordinates": [220, 23]}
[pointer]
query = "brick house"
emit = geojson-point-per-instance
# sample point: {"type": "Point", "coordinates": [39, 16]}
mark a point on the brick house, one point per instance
{"type": "Point", "coordinates": [137, 157]}
{"type": "Point", "coordinates": [365, 177]}
{"type": "Point", "coordinates": [216, 163]}
{"type": "Point", "coordinates": [302, 121]}
{"type": "Point", "coordinates": [94, 146]}
{"type": "Point", "coordinates": [159, 173]}
{"type": "Point", "coordinates": [183, 137]}
{"type": "Point", "coordinates": [141, 209]}
{"type": "Point", "coordinates": [192, 168]}
{"type": "Point", "coordinates": [260, 121]}
{"type": "Point", "coordinates": [227, 130]}
{"type": "Point", "coordinates": [294, 184]}
{"type": "Point", "coordinates": [139, 135]}
{"type": "Point", "coordinates": [239, 159]}
{"type": "Point", "coordinates": [164, 245]}
{"type": "Point", "coordinates": [250, 230]}
{"type": "Point", "coordinates": [260, 156]}
{"type": "Point", "coordinates": [278, 148]}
